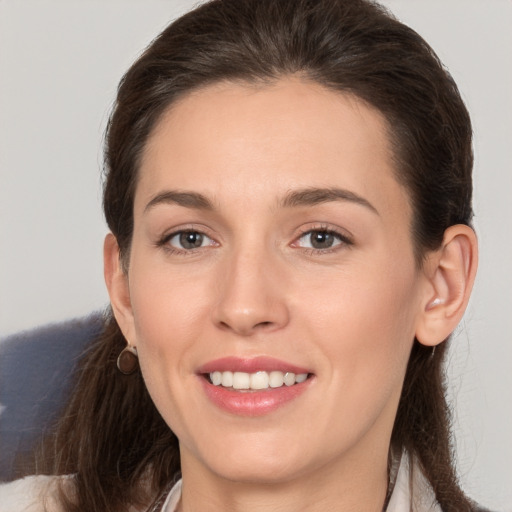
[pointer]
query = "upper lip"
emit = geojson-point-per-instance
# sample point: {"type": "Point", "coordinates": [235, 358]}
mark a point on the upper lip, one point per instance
{"type": "Point", "coordinates": [250, 365]}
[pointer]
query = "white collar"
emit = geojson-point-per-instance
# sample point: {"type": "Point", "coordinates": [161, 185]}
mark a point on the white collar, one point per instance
{"type": "Point", "coordinates": [411, 492]}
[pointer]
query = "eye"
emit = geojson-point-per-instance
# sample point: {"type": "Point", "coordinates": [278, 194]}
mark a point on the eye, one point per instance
{"type": "Point", "coordinates": [188, 240]}
{"type": "Point", "coordinates": [321, 239]}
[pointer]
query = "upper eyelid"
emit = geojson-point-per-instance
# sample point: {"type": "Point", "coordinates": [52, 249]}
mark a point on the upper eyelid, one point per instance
{"type": "Point", "coordinates": [164, 242]}
{"type": "Point", "coordinates": [342, 242]}
{"type": "Point", "coordinates": [187, 228]}
{"type": "Point", "coordinates": [342, 233]}
{"type": "Point", "coordinates": [328, 231]}
{"type": "Point", "coordinates": [172, 234]}
{"type": "Point", "coordinates": [178, 233]}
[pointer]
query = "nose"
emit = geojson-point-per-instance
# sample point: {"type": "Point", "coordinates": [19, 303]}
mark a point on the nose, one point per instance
{"type": "Point", "coordinates": [252, 297]}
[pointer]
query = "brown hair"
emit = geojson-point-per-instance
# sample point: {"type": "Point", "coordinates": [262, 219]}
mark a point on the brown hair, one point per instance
{"type": "Point", "coordinates": [111, 435]}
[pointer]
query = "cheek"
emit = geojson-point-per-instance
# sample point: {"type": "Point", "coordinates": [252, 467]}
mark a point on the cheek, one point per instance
{"type": "Point", "coordinates": [169, 312]}
{"type": "Point", "coordinates": [365, 324]}
{"type": "Point", "coordinates": [364, 298]}
{"type": "Point", "coordinates": [167, 307]}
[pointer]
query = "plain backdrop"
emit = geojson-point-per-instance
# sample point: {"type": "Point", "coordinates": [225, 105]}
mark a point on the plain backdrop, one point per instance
{"type": "Point", "coordinates": [60, 62]}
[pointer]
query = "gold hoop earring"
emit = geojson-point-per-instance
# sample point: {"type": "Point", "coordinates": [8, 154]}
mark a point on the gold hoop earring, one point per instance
{"type": "Point", "coordinates": [128, 360]}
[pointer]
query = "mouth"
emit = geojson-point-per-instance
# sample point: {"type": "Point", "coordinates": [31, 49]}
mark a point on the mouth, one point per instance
{"type": "Point", "coordinates": [255, 386]}
{"type": "Point", "coordinates": [255, 381]}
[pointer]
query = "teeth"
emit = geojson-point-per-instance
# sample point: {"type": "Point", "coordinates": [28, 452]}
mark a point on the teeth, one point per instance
{"type": "Point", "coordinates": [227, 379]}
{"type": "Point", "coordinates": [255, 381]}
{"type": "Point", "coordinates": [259, 380]}
{"type": "Point", "coordinates": [241, 380]}
{"type": "Point", "coordinates": [301, 377]}
{"type": "Point", "coordinates": [216, 378]}
{"type": "Point", "coordinates": [276, 379]}
{"type": "Point", "coordinates": [289, 379]}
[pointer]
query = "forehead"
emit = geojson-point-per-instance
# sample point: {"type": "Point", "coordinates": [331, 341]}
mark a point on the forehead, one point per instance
{"type": "Point", "coordinates": [248, 138]}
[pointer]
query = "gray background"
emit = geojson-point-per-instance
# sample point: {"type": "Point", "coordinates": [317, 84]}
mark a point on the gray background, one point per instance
{"type": "Point", "coordinates": [60, 62]}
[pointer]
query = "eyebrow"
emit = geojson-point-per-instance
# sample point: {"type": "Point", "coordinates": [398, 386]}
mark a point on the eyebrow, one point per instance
{"type": "Point", "coordinates": [313, 196]}
{"type": "Point", "coordinates": [186, 199]}
{"type": "Point", "coordinates": [296, 198]}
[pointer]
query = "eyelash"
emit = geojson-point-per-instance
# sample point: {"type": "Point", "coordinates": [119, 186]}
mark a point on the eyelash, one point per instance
{"type": "Point", "coordinates": [164, 242]}
{"type": "Point", "coordinates": [343, 241]}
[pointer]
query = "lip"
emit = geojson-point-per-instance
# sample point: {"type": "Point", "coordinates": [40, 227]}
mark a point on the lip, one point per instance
{"type": "Point", "coordinates": [252, 403]}
{"type": "Point", "coordinates": [250, 365]}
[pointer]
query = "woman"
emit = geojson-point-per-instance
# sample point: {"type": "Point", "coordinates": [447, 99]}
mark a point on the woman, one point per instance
{"type": "Point", "coordinates": [288, 188]}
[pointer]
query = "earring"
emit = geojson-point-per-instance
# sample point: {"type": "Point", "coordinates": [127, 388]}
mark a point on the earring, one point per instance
{"type": "Point", "coordinates": [128, 360]}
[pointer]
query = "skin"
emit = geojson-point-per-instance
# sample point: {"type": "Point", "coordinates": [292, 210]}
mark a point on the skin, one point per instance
{"type": "Point", "coordinates": [348, 313]}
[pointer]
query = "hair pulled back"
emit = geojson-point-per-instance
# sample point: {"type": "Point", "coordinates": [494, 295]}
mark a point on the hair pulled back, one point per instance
{"type": "Point", "coordinates": [111, 436]}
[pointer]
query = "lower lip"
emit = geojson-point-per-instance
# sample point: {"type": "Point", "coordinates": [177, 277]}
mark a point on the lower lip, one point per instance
{"type": "Point", "coordinates": [253, 403]}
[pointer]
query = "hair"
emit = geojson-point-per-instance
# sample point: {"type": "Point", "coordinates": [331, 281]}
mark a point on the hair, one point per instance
{"type": "Point", "coordinates": [111, 436]}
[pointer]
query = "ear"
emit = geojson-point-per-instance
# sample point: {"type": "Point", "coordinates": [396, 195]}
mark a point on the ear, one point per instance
{"type": "Point", "coordinates": [116, 279]}
{"type": "Point", "coordinates": [450, 274]}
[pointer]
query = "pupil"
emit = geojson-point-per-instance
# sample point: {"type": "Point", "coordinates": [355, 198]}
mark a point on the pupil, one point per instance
{"type": "Point", "coordinates": [191, 240]}
{"type": "Point", "coordinates": [321, 240]}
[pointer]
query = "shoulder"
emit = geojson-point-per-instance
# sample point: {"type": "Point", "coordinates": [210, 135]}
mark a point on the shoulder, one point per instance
{"type": "Point", "coordinates": [30, 494]}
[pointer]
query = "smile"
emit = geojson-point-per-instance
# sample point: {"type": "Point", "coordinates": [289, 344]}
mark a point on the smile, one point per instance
{"type": "Point", "coordinates": [254, 386]}
{"type": "Point", "coordinates": [259, 380]}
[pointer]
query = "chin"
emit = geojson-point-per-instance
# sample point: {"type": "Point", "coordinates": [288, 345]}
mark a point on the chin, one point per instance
{"type": "Point", "coordinates": [259, 459]}
{"type": "Point", "coordinates": [272, 471]}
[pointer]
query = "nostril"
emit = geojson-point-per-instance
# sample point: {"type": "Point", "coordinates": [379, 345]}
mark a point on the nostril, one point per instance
{"type": "Point", "coordinates": [224, 325]}
{"type": "Point", "coordinates": [246, 328]}
{"type": "Point", "coordinates": [264, 316]}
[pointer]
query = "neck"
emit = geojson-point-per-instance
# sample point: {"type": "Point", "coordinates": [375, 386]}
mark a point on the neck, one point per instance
{"type": "Point", "coordinates": [353, 485]}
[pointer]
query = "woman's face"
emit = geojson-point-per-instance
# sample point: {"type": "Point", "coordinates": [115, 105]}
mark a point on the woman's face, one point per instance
{"type": "Point", "coordinates": [271, 238]}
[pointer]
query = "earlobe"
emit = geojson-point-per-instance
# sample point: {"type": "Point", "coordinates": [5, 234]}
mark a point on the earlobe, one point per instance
{"type": "Point", "coordinates": [118, 288]}
{"type": "Point", "coordinates": [450, 276]}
